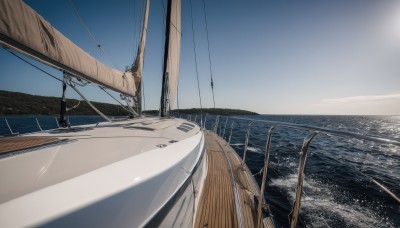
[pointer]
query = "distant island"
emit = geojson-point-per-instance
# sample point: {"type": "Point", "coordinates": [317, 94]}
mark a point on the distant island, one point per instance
{"type": "Point", "coordinates": [15, 103]}
{"type": "Point", "coordinates": [208, 111]}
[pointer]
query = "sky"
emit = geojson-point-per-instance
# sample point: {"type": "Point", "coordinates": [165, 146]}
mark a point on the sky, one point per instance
{"type": "Point", "coordinates": [272, 57]}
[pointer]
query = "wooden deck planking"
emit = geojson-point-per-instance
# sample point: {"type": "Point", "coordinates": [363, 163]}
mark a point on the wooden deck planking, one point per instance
{"type": "Point", "coordinates": [217, 204]}
{"type": "Point", "coordinates": [10, 144]}
{"type": "Point", "coordinates": [247, 186]}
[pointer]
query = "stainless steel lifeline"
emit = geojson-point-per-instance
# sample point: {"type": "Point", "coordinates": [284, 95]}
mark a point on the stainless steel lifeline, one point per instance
{"type": "Point", "coordinates": [37, 121]}
{"type": "Point", "coordinates": [247, 140]}
{"type": "Point", "coordinates": [314, 131]}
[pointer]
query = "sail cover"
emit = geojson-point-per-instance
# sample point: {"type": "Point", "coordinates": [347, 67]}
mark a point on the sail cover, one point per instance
{"type": "Point", "coordinates": [25, 31]}
{"type": "Point", "coordinates": [173, 60]}
{"type": "Point", "coordinates": [137, 69]}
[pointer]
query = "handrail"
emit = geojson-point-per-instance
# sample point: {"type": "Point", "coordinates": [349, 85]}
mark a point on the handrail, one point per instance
{"type": "Point", "coordinates": [386, 190]}
{"type": "Point", "coordinates": [58, 125]}
{"type": "Point", "coordinates": [265, 172]}
{"type": "Point", "coordinates": [314, 132]}
{"type": "Point", "coordinates": [37, 124]}
{"type": "Point", "coordinates": [247, 140]}
{"type": "Point", "coordinates": [326, 131]}
{"type": "Point", "coordinates": [37, 121]}
{"type": "Point", "coordinates": [223, 134]}
{"type": "Point", "coordinates": [300, 179]}
{"type": "Point", "coordinates": [215, 128]}
{"type": "Point", "coordinates": [9, 128]}
{"type": "Point", "coordinates": [230, 134]}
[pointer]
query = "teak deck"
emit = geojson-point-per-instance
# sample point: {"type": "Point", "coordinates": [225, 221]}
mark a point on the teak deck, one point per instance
{"type": "Point", "coordinates": [10, 144]}
{"type": "Point", "coordinates": [217, 203]}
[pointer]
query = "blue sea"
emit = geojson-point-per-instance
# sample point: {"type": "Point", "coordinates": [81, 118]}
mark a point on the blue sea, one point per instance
{"type": "Point", "coordinates": [338, 191]}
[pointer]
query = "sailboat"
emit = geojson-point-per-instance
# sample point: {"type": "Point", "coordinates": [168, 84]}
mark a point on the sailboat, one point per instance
{"type": "Point", "coordinates": [135, 172]}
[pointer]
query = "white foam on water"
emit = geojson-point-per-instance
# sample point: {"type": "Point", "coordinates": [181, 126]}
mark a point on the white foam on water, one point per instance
{"type": "Point", "coordinates": [254, 150]}
{"type": "Point", "coordinates": [249, 148]}
{"type": "Point", "coordinates": [320, 209]}
{"type": "Point", "coordinates": [286, 162]}
{"type": "Point", "coordinates": [237, 144]}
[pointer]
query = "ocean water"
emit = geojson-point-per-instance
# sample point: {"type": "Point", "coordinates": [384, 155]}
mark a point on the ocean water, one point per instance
{"type": "Point", "coordinates": [338, 191]}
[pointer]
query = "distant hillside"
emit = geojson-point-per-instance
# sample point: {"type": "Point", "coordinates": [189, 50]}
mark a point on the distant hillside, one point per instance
{"type": "Point", "coordinates": [14, 103]}
{"type": "Point", "coordinates": [210, 111]}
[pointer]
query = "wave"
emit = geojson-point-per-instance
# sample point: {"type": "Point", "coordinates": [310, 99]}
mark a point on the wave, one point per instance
{"type": "Point", "coordinates": [237, 144]}
{"type": "Point", "coordinates": [255, 150]}
{"type": "Point", "coordinates": [321, 208]}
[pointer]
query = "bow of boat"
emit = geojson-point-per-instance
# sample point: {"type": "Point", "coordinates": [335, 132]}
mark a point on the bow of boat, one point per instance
{"type": "Point", "coordinates": [122, 173]}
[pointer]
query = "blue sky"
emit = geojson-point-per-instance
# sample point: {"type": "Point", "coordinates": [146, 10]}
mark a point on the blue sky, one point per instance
{"type": "Point", "coordinates": [271, 57]}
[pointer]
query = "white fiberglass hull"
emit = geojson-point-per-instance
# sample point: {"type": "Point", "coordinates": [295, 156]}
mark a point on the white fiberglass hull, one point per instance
{"type": "Point", "coordinates": [135, 191]}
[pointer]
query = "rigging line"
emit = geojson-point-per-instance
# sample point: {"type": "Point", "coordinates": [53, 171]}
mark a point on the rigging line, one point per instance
{"type": "Point", "coordinates": [137, 34]}
{"type": "Point", "coordinates": [209, 53]}
{"type": "Point", "coordinates": [34, 66]}
{"type": "Point", "coordinates": [143, 6]}
{"type": "Point", "coordinates": [173, 25]}
{"type": "Point", "coordinates": [104, 89]}
{"type": "Point", "coordinates": [164, 16]}
{"type": "Point", "coordinates": [86, 28]}
{"type": "Point", "coordinates": [164, 13]}
{"type": "Point", "coordinates": [177, 50]}
{"type": "Point", "coordinates": [195, 59]}
{"type": "Point", "coordinates": [163, 31]}
{"type": "Point", "coordinates": [164, 27]}
{"type": "Point", "coordinates": [129, 101]}
{"type": "Point", "coordinates": [143, 94]}
{"type": "Point", "coordinates": [134, 40]}
{"type": "Point", "coordinates": [72, 85]}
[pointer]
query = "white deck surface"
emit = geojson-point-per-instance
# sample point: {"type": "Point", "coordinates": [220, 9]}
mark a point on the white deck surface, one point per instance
{"type": "Point", "coordinates": [145, 159]}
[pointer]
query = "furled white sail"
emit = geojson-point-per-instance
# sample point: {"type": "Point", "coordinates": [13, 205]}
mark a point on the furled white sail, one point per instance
{"type": "Point", "coordinates": [137, 69]}
{"type": "Point", "coordinates": [172, 68]}
{"type": "Point", "coordinates": [23, 30]}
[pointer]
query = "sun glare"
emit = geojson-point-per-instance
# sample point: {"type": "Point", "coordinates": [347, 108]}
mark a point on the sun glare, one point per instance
{"type": "Point", "coordinates": [397, 26]}
{"type": "Point", "coordinates": [387, 22]}
{"type": "Point", "coordinates": [391, 29]}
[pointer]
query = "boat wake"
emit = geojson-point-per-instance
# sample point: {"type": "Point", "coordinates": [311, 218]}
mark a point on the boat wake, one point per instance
{"type": "Point", "coordinates": [252, 149]}
{"type": "Point", "coordinates": [255, 150]}
{"type": "Point", "coordinates": [325, 205]}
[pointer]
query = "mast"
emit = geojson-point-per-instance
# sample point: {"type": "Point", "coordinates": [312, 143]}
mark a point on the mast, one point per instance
{"type": "Point", "coordinates": [164, 96]}
{"type": "Point", "coordinates": [171, 57]}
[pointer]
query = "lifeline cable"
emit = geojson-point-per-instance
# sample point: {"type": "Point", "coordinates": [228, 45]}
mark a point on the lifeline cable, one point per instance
{"type": "Point", "coordinates": [85, 27]}
{"type": "Point", "coordinates": [26, 61]}
{"type": "Point", "coordinates": [209, 53]}
{"type": "Point", "coordinates": [102, 88]}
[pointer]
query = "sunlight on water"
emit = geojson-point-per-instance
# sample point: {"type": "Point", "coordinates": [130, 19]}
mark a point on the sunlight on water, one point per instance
{"type": "Point", "coordinates": [337, 190]}
{"type": "Point", "coordinates": [320, 208]}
